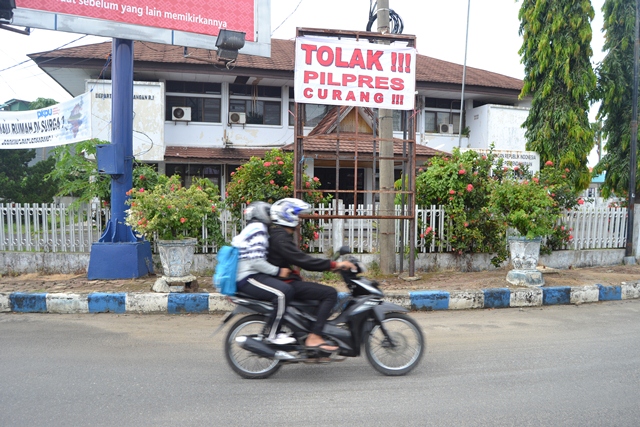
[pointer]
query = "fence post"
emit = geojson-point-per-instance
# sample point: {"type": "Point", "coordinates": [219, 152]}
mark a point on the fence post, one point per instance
{"type": "Point", "coordinates": [338, 226]}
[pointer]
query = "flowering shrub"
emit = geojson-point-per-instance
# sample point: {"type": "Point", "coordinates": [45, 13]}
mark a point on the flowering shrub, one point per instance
{"type": "Point", "coordinates": [482, 198]}
{"type": "Point", "coordinates": [462, 185]}
{"type": "Point", "coordinates": [526, 206]}
{"type": "Point", "coordinates": [170, 211]}
{"type": "Point", "coordinates": [533, 205]}
{"type": "Point", "coordinates": [271, 179]}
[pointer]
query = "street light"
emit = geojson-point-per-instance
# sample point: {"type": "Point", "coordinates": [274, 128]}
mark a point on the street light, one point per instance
{"type": "Point", "coordinates": [228, 44]}
{"type": "Point", "coordinates": [6, 10]}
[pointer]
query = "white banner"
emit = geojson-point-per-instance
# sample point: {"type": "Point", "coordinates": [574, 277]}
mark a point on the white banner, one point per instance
{"type": "Point", "coordinates": [59, 124]}
{"type": "Point", "coordinates": [354, 73]}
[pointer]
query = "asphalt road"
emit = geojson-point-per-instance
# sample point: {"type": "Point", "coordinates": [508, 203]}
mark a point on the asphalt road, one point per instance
{"type": "Point", "coordinates": [549, 366]}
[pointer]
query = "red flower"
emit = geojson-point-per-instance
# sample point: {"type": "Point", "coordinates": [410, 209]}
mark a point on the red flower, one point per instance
{"type": "Point", "coordinates": [428, 230]}
{"type": "Point", "coordinates": [272, 182]}
{"type": "Point", "coordinates": [267, 164]}
{"type": "Point", "coordinates": [452, 192]}
{"type": "Point", "coordinates": [316, 179]}
{"type": "Point", "coordinates": [183, 220]}
{"type": "Point", "coordinates": [308, 184]}
{"type": "Point", "coordinates": [142, 190]}
{"type": "Point", "coordinates": [462, 172]}
{"type": "Point", "coordinates": [279, 172]}
{"type": "Point", "coordinates": [548, 163]}
{"type": "Point", "coordinates": [142, 177]}
{"type": "Point", "coordinates": [469, 188]}
{"type": "Point", "coordinates": [580, 202]}
{"type": "Point", "coordinates": [315, 235]}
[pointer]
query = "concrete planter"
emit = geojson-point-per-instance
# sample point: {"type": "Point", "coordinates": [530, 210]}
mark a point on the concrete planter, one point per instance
{"type": "Point", "coordinates": [524, 254]}
{"type": "Point", "coordinates": [176, 257]}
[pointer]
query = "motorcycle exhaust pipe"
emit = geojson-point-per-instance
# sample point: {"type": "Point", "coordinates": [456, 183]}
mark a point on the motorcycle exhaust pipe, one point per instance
{"type": "Point", "coordinates": [255, 346]}
{"type": "Point", "coordinates": [261, 349]}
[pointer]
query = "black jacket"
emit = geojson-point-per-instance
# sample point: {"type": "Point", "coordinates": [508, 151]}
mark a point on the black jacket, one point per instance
{"type": "Point", "coordinates": [284, 253]}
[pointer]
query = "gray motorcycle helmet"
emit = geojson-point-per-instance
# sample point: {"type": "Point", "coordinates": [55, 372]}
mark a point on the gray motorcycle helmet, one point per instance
{"type": "Point", "coordinates": [258, 211]}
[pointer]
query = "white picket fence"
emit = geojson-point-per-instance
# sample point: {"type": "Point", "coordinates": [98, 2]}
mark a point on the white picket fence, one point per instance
{"type": "Point", "coordinates": [56, 228]}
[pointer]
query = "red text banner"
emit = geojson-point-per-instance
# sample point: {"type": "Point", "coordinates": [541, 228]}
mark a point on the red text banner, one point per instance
{"type": "Point", "coordinates": [194, 16]}
{"type": "Point", "coordinates": [355, 73]}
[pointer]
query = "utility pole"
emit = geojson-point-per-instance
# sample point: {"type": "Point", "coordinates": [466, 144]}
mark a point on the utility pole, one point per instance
{"type": "Point", "coordinates": [387, 203]}
{"type": "Point", "coordinates": [629, 258]}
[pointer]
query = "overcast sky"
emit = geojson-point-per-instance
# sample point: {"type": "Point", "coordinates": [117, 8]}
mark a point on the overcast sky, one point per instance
{"type": "Point", "coordinates": [440, 27]}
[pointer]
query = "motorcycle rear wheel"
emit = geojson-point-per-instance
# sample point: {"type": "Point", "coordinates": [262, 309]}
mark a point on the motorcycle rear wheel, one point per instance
{"type": "Point", "coordinates": [406, 351]}
{"type": "Point", "coordinates": [245, 363]}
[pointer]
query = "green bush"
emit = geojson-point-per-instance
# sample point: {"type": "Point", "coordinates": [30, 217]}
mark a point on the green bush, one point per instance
{"type": "Point", "coordinates": [271, 179]}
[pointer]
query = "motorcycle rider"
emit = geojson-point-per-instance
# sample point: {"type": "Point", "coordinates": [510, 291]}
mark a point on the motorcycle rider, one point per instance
{"type": "Point", "coordinates": [255, 276]}
{"type": "Point", "coordinates": [284, 253]}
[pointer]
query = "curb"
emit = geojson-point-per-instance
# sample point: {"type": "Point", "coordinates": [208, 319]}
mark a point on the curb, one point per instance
{"type": "Point", "coordinates": [206, 303]}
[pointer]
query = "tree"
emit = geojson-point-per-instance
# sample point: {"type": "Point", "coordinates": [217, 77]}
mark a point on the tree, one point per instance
{"type": "Point", "coordinates": [42, 103]}
{"type": "Point", "coordinates": [77, 173]}
{"type": "Point", "coordinates": [556, 53]}
{"type": "Point", "coordinates": [13, 169]}
{"type": "Point", "coordinates": [615, 77]}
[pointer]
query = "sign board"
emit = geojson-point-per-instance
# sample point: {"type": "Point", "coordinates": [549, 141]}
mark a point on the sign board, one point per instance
{"type": "Point", "coordinates": [63, 123]}
{"type": "Point", "coordinates": [148, 117]}
{"type": "Point", "coordinates": [513, 158]}
{"type": "Point", "coordinates": [354, 73]}
{"type": "Point", "coordinates": [179, 22]}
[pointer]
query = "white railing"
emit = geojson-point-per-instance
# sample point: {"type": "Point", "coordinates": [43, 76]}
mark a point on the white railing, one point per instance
{"type": "Point", "coordinates": [57, 228]}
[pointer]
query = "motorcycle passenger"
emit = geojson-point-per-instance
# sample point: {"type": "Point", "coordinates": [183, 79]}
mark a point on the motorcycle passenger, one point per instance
{"type": "Point", "coordinates": [284, 253]}
{"type": "Point", "coordinates": [255, 276]}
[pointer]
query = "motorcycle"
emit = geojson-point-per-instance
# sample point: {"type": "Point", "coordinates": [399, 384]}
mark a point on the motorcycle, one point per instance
{"type": "Point", "coordinates": [393, 341]}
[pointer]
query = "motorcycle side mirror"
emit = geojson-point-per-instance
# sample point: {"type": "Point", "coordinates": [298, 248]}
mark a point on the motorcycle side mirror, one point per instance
{"type": "Point", "coordinates": [342, 251]}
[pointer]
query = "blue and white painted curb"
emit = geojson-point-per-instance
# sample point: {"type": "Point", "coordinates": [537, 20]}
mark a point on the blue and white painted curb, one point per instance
{"type": "Point", "coordinates": [179, 303]}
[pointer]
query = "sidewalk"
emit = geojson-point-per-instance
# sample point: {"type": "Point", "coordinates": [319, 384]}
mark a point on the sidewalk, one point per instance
{"type": "Point", "coordinates": [445, 290]}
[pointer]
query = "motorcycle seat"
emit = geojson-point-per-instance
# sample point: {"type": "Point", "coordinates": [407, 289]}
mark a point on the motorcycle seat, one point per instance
{"type": "Point", "coordinates": [294, 303]}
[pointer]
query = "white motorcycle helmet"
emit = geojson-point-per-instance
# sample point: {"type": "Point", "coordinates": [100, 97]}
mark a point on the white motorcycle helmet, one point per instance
{"type": "Point", "coordinates": [285, 211]}
{"type": "Point", "coordinates": [258, 211]}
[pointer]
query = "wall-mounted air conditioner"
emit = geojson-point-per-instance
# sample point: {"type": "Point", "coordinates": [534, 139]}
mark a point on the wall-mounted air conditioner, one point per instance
{"type": "Point", "coordinates": [446, 128]}
{"type": "Point", "coordinates": [181, 114]}
{"type": "Point", "coordinates": [237, 118]}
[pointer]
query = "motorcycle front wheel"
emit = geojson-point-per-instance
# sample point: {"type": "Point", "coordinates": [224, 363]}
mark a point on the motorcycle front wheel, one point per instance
{"type": "Point", "coordinates": [400, 354]}
{"type": "Point", "coordinates": [243, 362]}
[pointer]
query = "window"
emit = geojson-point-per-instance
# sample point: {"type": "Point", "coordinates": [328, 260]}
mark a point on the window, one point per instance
{"type": "Point", "coordinates": [313, 113]}
{"type": "Point", "coordinates": [204, 108]}
{"type": "Point", "coordinates": [256, 102]}
{"type": "Point", "coordinates": [439, 111]}
{"type": "Point", "coordinates": [397, 120]}
{"type": "Point", "coordinates": [189, 171]}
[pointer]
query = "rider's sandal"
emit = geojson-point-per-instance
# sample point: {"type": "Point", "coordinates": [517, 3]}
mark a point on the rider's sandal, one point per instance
{"type": "Point", "coordinates": [324, 350]}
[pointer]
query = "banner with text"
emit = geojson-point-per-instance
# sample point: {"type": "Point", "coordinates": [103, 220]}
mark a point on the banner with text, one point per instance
{"type": "Point", "coordinates": [512, 158]}
{"type": "Point", "coordinates": [59, 124]}
{"type": "Point", "coordinates": [354, 73]}
{"type": "Point", "coordinates": [182, 15]}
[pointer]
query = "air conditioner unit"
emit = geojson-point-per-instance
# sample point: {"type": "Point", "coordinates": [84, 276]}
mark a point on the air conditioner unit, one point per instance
{"type": "Point", "coordinates": [446, 128]}
{"type": "Point", "coordinates": [181, 114]}
{"type": "Point", "coordinates": [237, 118]}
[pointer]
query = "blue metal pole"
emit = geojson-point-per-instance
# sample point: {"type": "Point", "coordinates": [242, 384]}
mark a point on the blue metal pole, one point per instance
{"type": "Point", "coordinates": [119, 253]}
{"type": "Point", "coordinates": [121, 134]}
